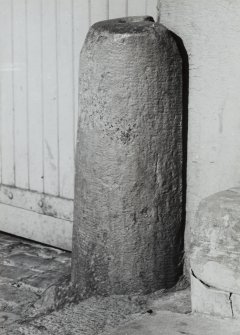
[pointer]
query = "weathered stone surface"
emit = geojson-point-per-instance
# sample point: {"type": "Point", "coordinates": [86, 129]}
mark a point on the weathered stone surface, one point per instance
{"type": "Point", "coordinates": [127, 216]}
{"type": "Point", "coordinates": [216, 241]}
{"type": "Point", "coordinates": [208, 300]}
{"type": "Point", "coordinates": [215, 255]}
{"type": "Point", "coordinates": [235, 302]}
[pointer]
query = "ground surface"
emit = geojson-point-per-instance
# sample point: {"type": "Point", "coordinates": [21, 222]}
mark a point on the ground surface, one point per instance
{"type": "Point", "coordinates": [168, 323]}
{"type": "Point", "coordinates": [29, 272]}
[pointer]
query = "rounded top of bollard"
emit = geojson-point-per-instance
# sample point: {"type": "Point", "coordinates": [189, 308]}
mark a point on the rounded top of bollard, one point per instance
{"type": "Point", "coordinates": [124, 25]}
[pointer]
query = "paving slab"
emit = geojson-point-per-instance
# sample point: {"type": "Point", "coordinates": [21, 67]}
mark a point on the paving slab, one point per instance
{"type": "Point", "coordinates": [27, 269]}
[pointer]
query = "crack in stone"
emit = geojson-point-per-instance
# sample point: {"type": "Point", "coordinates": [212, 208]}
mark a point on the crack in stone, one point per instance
{"type": "Point", "coordinates": [231, 303]}
{"type": "Point", "coordinates": [202, 282]}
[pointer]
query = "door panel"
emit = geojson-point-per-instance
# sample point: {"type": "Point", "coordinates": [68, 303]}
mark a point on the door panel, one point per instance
{"type": "Point", "coordinates": [40, 42]}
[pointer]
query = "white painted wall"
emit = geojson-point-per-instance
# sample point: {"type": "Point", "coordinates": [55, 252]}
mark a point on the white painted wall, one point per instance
{"type": "Point", "coordinates": [210, 30]}
{"type": "Point", "coordinates": [40, 41]}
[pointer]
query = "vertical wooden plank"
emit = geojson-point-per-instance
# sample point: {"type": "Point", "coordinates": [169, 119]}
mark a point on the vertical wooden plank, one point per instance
{"type": "Point", "coordinates": [20, 101]}
{"type": "Point", "coordinates": [0, 126]}
{"type": "Point", "coordinates": [1, 67]}
{"type": "Point", "coordinates": [80, 26]}
{"type": "Point", "coordinates": [99, 10]}
{"type": "Point", "coordinates": [36, 173]}
{"type": "Point", "coordinates": [50, 97]}
{"type": "Point", "coordinates": [126, 7]}
{"type": "Point", "coordinates": [152, 8]}
{"type": "Point", "coordinates": [136, 7]}
{"type": "Point", "coordinates": [65, 97]}
{"type": "Point", "coordinates": [117, 8]}
{"type": "Point", "coordinates": [7, 96]}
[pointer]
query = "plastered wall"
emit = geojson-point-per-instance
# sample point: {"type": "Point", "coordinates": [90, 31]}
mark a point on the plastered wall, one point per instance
{"type": "Point", "coordinates": [210, 30]}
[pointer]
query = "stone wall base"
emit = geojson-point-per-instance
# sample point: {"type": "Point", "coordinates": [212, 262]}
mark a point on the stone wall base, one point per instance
{"type": "Point", "coordinates": [209, 300]}
{"type": "Point", "coordinates": [215, 251]}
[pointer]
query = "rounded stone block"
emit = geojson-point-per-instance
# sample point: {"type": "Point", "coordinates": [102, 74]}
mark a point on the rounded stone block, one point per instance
{"type": "Point", "coordinates": [127, 233]}
{"type": "Point", "coordinates": [215, 246]}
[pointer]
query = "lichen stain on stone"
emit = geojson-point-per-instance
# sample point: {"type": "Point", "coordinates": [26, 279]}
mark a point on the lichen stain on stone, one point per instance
{"type": "Point", "coordinates": [126, 136]}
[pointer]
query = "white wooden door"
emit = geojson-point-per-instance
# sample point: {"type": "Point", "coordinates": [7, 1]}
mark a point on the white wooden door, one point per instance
{"type": "Point", "coordinates": [40, 41]}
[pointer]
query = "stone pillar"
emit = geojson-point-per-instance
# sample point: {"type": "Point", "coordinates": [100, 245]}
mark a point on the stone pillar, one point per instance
{"type": "Point", "coordinates": [127, 216]}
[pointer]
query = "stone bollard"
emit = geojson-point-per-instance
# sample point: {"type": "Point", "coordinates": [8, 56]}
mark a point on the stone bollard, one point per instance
{"type": "Point", "coordinates": [127, 233]}
{"type": "Point", "coordinates": [215, 250]}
